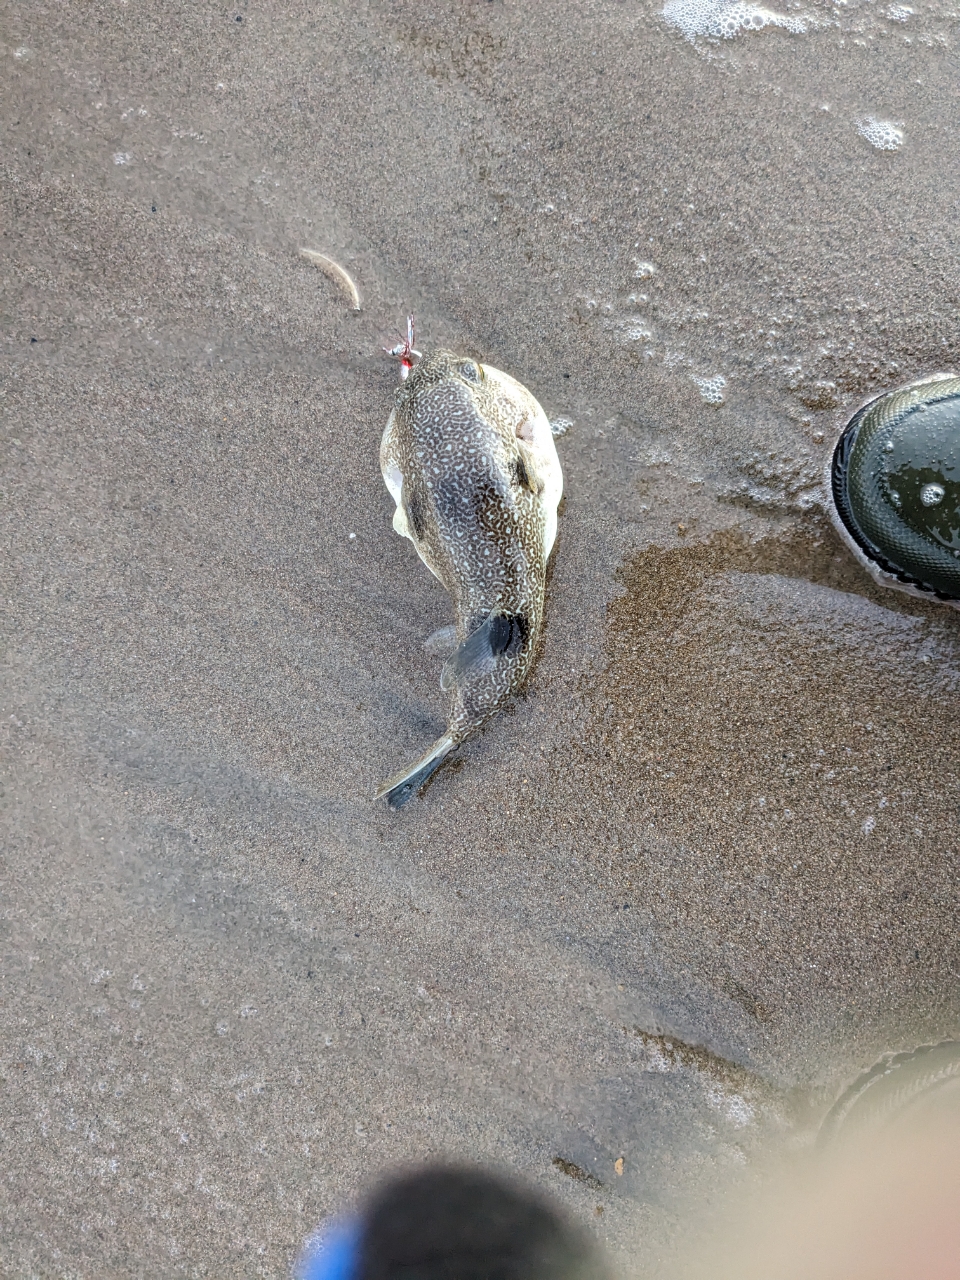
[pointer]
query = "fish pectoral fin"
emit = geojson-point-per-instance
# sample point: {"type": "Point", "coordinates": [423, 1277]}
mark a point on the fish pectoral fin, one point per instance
{"type": "Point", "coordinates": [500, 633]}
{"type": "Point", "coordinates": [400, 523]}
{"type": "Point", "coordinates": [441, 642]}
{"type": "Point", "coordinates": [403, 786]}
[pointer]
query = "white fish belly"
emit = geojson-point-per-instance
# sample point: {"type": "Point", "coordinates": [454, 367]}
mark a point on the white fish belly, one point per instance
{"type": "Point", "coordinates": [535, 431]}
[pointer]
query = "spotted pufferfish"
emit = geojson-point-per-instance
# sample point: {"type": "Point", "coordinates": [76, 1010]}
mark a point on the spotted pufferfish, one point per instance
{"type": "Point", "coordinates": [469, 458]}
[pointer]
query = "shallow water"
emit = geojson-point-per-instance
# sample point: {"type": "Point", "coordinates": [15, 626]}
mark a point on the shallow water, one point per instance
{"type": "Point", "coordinates": [669, 905]}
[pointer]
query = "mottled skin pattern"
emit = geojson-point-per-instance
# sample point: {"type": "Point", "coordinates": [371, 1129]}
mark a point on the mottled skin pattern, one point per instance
{"type": "Point", "coordinates": [470, 460]}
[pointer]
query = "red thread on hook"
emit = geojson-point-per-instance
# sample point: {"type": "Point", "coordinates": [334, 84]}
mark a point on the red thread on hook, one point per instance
{"type": "Point", "coordinates": [405, 351]}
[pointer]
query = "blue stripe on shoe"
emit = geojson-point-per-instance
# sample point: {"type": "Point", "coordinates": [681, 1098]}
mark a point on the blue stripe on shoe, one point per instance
{"type": "Point", "coordinates": [331, 1252]}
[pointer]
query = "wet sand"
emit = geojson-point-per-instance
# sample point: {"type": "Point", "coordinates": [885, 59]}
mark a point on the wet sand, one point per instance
{"type": "Point", "coordinates": [704, 871]}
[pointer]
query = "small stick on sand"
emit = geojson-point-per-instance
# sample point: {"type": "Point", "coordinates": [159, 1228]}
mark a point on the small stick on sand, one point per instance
{"type": "Point", "coordinates": [333, 271]}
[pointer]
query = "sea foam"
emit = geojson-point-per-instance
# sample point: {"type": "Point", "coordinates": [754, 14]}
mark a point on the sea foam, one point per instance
{"type": "Point", "coordinates": [720, 20]}
{"type": "Point", "coordinates": [885, 135]}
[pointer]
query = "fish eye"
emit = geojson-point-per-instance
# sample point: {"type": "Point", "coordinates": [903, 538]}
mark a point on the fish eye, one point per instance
{"type": "Point", "coordinates": [471, 371]}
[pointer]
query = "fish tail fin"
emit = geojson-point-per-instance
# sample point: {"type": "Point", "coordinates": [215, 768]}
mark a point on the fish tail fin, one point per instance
{"type": "Point", "coordinates": [403, 786]}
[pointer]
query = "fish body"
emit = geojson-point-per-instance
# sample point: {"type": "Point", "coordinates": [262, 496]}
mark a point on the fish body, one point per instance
{"type": "Point", "coordinates": [468, 456]}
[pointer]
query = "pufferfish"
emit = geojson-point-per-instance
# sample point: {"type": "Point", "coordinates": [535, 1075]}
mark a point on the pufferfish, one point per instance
{"type": "Point", "coordinates": [469, 458]}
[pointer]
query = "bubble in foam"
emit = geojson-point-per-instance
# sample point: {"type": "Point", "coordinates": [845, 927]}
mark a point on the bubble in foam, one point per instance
{"type": "Point", "coordinates": [712, 388]}
{"type": "Point", "coordinates": [885, 135]}
{"type": "Point", "coordinates": [635, 330]}
{"type": "Point", "coordinates": [931, 495]}
{"type": "Point", "coordinates": [720, 20]}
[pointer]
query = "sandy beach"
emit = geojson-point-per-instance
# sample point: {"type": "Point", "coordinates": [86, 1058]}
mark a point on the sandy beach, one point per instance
{"type": "Point", "coordinates": [705, 870]}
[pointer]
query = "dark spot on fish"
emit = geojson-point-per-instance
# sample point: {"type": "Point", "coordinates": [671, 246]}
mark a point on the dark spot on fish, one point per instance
{"type": "Point", "coordinates": [501, 634]}
{"type": "Point", "coordinates": [497, 634]}
{"type": "Point", "coordinates": [574, 1171]}
{"type": "Point", "coordinates": [508, 631]}
{"type": "Point", "coordinates": [521, 475]}
{"type": "Point", "coordinates": [414, 505]}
